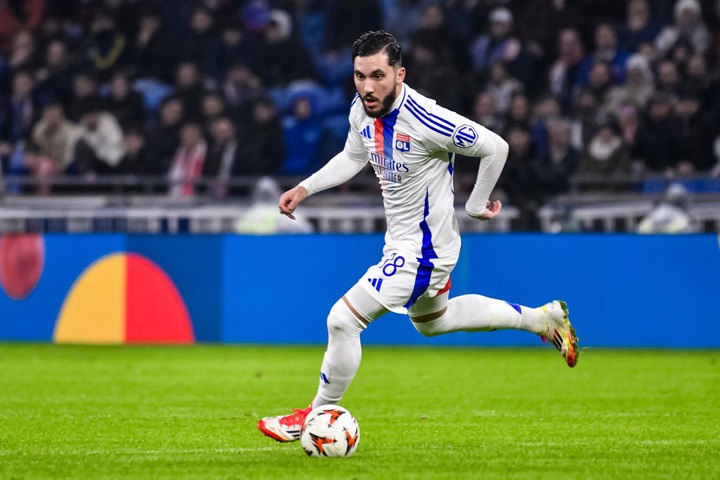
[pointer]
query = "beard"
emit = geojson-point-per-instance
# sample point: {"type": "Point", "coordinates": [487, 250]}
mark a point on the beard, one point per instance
{"type": "Point", "coordinates": [386, 104]}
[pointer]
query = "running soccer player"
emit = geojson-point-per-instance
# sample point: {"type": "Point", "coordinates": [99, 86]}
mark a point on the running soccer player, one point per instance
{"type": "Point", "coordinates": [410, 140]}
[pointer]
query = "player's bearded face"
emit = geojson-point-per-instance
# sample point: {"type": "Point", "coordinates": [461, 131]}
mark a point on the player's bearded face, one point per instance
{"type": "Point", "coordinates": [377, 83]}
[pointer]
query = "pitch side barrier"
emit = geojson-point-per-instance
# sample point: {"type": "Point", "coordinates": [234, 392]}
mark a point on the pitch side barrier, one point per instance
{"type": "Point", "coordinates": [623, 290]}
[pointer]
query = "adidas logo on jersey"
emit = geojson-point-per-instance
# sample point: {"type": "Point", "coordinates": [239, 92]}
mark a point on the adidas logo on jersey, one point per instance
{"type": "Point", "coordinates": [365, 132]}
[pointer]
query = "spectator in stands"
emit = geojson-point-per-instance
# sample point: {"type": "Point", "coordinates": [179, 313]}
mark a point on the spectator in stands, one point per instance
{"type": "Point", "coordinates": [434, 30]}
{"type": "Point", "coordinates": [262, 218]}
{"type": "Point", "coordinates": [628, 119]}
{"type": "Point", "coordinates": [554, 170]}
{"type": "Point", "coordinates": [85, 90]}
{"type": "Point", "coordinates": [656, 142]}
{"type": "Point", "coordinates": [600, 81]}
{"type": "Point", "coordinates": [21, 111]}
{"type": "Point", "coordinates": [55, 78]}
{"type": "Point", "coordinates": [285, 59]}
{"type": "Point", "coordinates": [638, 89]}
{"type": "Point", "coordinates": [189, 89]}
{"type": "Point", "coordinates": [303, 134]}
{"type": "Point", "coordinates": [606, 156]}
{"type": "Point", "coordinates": [242, 88]}
{"type": "Point", "coordinates": [499, 44]}
{"type": "Point", "coordinates": [41, 167]}
{"type": "Point", "coordinates": [18, 15]}
{"type": "Point", "coordinates": [24, 54]}
{"type": "Point", "coordinates": [544, 110]}
{"type": "Point", "coordinates": [518, 114]}
{"type": "Point", "coordinates": [55, 136]}
{"type": "Point", "coordinates": [432, 73]}
{"type": "Point", "coordinates": [154, 49]}
{"type": "Point", "coordinates": [125, 103]}
{"type": "Point", "coordinates": [671, 214]}
{"type": "Point", "coordinates": [223, 158]}
{"type": "Point", "coordinates": [688, 24]}
{"type": "Point", "coordinates": [697, 80]}
{"type": "Point", "coordinates": [585, 118]}
{"type": "Point", "coordinates": [669, 79]}
{"type": "Point", "coordinates": [212, 107]}
{"type": "Point", "coordinates": [52, 27]}
{"type": "Point", "coordinates": [107, 48]}
{"type": "Point", "coordinates": [234, 47]}
{"type": "Point", "coordinates": [502, 87]}
{"type": "Point", "coordinates": [517, 181]}
{"type": "Point", "coordinates": [263, 141]}
{"type": "Point", "coordinates": [540, 21]}
{"type": "Point", "coordinates": [136, 159]}
{"type": "Point", "coordinates": [201, 41]}
{"type": "Point", "coordinates": [680, 53]}
{"type": "Point", "coordinates": [187, 166]}
{"type": "Point", "coordinates": [486, 113]}
{"type": "Point", "coordinates": [638, 27]}
{"type": "Point", "coordinates": [164, 138]}
{"type": "Point", "coordinates": [563, 75]}
{"type": "Point", "coordinates": [697, 136]}
{"type": "Point", "coordinates": [606, 50]}
{"type": "Point", "coordinates": [100, 146]}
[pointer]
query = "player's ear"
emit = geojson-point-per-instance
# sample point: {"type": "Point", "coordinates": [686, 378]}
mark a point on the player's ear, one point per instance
{"type": "Point", "coordinates": [400, 75]}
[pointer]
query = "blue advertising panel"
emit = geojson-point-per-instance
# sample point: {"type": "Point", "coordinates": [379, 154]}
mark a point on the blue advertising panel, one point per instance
{"type": "Point", "coordinates": [622, 290]}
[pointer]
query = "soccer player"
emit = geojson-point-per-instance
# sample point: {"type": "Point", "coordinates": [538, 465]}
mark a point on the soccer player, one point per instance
{"type": "Point", "coordinates": [410, 141]}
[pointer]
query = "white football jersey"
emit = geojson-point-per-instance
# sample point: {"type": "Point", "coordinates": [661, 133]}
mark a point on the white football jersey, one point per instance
{"type": "Point", "coordinates": [410, 150]}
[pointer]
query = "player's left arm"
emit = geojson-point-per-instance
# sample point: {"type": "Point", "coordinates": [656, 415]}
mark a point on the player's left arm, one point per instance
{"type": "Point", "coordinates": [471, 139]}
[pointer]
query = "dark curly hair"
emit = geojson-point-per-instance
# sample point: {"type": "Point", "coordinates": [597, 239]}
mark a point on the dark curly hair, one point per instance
{"type": "Point", "coordinates": [370, 43]}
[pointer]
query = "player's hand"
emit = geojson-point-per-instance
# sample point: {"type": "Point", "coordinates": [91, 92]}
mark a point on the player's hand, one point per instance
{"type": "Point", "coordinates": [492, 210]}
{"type": "Point", "coordinates": [291, 199]}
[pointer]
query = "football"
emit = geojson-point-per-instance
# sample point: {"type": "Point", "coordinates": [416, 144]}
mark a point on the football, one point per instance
{"type": "Point", "coordinates": [330, 431]}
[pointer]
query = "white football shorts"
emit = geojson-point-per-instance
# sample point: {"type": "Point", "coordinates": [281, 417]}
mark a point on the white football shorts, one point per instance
{"type": "Point", "coordinates": [400, 279]}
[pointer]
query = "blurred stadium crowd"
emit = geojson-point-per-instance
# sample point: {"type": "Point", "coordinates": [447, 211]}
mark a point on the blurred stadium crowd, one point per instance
{"type": "Point", "coordinates": [590, 94]}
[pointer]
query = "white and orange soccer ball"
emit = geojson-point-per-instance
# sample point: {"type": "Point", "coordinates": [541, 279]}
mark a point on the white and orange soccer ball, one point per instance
{"type": "Point", "coordinates": [330, 431]}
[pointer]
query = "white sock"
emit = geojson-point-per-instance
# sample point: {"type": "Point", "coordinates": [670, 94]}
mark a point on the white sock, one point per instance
{"type": "Point", "coordinates": [342, 357]}
{"type": "Point", "coordinates": [476, 313]}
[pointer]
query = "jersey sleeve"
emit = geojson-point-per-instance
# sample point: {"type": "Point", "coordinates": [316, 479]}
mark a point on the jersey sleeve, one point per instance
{"type": "Point", "coordinates": [445, 130]}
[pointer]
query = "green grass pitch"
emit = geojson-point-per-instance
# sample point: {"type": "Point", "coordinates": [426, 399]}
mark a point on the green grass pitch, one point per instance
{"type": "Point", "coordinates": [452, 413]}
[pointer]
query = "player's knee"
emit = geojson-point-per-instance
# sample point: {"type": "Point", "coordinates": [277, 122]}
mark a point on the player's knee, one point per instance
{"type": "Point", "coordinates": [430, 324]}
{"type": "Point", "coordinates": [427, 329]}
{"type": "Point", "coordinates": [341, 320]}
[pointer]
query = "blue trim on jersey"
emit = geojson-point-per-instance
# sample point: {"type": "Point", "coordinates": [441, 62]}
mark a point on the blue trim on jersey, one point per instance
{"type": "Point", "coordinates": [355, 98]}
{"type": "Point", "coordinates": [436, 119]}
{"type": "Point", "coordinates": [388, 122]}
{"type": "Point", "coordinates": [424, 272]}
{"type": "Point", "coordinates": [427, 121]}
{"type": "Point", "coordinates": [424, 111]}
{"type": "Point", "coordinates": [441, 132]}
